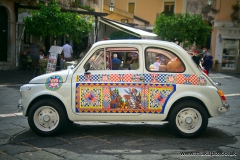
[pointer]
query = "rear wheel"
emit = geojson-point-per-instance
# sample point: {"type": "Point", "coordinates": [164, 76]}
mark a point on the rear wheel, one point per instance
{"type": "Point", "coordinates": [188, 119]}
{"type": "Point", "coordinates": [47, 117]}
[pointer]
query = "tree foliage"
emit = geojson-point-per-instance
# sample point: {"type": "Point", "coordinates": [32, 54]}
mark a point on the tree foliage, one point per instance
{"type": "Point", "coordinates": [50, 21]}
{"type": "Point", "coordinates": [182, 28]}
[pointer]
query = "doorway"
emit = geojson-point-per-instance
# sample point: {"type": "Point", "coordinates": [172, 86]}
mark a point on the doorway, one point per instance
{"type": "Point", "coordinates": [3, 33]}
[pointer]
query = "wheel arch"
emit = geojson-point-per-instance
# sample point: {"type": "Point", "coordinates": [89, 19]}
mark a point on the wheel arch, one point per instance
{"type": "Point", "coordinates": [46, 97]}
{"type": "Point", "coordinates": [188, 99]}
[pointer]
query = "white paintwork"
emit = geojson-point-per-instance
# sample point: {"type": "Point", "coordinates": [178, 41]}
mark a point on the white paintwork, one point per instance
{"type": "Point", "coordinates": [41, 79]}
{"type": "Point", "coordinates": [66, 94]}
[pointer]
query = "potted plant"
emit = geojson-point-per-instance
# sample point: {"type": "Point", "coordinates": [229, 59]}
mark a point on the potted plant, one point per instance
{"type": "Point", "coordinates": [215, 65]}
{"type": "Point", "coordinates": [235, 15]}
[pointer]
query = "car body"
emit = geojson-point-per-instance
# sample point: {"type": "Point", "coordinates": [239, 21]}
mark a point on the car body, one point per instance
{"type": "Point", "coordinates": [171, 89]}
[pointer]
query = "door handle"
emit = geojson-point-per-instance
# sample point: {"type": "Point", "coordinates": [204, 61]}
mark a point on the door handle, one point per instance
{"type": "Point", "coordinates": [140, 78]}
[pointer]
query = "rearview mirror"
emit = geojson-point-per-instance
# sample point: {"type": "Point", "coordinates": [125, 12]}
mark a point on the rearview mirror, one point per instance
{"type": "Point", "coordinates": [87, 67]}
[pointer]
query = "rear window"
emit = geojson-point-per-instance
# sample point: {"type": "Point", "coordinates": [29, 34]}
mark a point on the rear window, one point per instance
{"type": "Point", "coordinates": [161, 60]}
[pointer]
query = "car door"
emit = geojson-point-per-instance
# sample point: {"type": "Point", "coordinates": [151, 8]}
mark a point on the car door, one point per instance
{"type": "Point", "coordinates": [163, 70]}
{"type": "Point", "coordinates": [113, 85]}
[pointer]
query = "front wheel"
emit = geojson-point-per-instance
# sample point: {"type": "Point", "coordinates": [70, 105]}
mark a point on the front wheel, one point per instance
{"type": "Point", "coordinates": [188, 119]}
{"type": "Point", "coordinates": [47, 117]}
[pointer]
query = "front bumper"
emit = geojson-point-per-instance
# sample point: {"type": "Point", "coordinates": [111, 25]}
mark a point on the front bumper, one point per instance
{"type": "Point", "coordinates": [224, 108]}
{"type": "Point", "coordinates": [20, 106]}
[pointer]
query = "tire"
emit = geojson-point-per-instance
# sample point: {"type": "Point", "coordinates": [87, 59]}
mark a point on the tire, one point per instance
{"type": "Point", "coordinates": [47, 117]}
{"type": "Point", "coordinates": [188, 119]}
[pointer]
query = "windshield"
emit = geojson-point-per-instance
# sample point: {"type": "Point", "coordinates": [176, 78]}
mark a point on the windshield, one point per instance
{"type": "Point", "coordinates": [74, 63]}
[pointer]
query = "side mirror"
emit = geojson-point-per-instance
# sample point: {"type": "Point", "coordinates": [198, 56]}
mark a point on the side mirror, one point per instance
{"type": "Point", "coordinates": [87, 67]}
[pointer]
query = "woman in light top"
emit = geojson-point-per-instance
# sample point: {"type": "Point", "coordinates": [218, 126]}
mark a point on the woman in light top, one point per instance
{"type": "Point", "coordinates": [157, 63]}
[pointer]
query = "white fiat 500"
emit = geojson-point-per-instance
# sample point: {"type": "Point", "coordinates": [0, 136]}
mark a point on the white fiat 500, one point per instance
{"type": "Point", "coordinates": [125, 80]}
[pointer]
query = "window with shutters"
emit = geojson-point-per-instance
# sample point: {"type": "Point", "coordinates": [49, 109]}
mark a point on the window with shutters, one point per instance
{"type": "Point", "coordinates": [169, 7]}
{"type": "Point", "coordinates": [96, 2]}
{"type": "Point", "coordinates": [131, 8]}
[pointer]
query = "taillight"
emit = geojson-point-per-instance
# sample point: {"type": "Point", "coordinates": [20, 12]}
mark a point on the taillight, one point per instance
{"type": "Point", "coordinates": [221, 94]}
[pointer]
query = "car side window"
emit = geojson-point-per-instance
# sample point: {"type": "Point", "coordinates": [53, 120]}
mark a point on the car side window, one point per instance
{"type": "Point", "coordinates": [97, 60]}
{"type": "Point", "coordinates": [162, 60]}
{"type": "Point", "coordinates": [122, 58]}
{"type": "Point", "coordinates": [115, 58]}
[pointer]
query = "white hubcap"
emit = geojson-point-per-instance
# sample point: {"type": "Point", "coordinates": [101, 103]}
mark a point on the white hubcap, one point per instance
{"type": "Point", "coordinates": [188, 120]}
{"type": "Point", "coordinates": [46, 118]}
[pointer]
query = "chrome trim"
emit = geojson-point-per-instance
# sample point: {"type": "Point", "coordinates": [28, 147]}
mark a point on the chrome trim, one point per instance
{"type": "Point", "coordinates": [19, 108]}
{"type": "Point", "coordinates": [224, 109]}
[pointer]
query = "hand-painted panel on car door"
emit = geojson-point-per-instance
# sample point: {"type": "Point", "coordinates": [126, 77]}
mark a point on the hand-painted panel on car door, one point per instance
{"type": "Point", "coordinates": [115, 84]}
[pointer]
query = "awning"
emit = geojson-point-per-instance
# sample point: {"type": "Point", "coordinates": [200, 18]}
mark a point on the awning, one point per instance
{"type": "Point", "coordinates": [130, 30]}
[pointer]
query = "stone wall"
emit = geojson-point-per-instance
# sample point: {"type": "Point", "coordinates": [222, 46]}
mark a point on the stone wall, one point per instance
{"type": "Point", "coordinates": [195, 6]}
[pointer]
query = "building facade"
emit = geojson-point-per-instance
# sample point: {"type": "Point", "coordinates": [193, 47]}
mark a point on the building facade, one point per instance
{"type": "Point", "coordinates": [224, 40]}
{"type": "Point", "coordinates": [146, 12]}
{"type": "Point", "coordinates": [7, 35]}
{"type": "Point", "coordinates": [226, 36]}
{"type": "Point", "coordinates": [13, 41]}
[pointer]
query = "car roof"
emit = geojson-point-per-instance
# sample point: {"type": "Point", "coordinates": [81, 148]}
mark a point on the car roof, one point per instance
{"type": "Point", "coordinates": [133, 41]}
{"type": "Point", "coordinates": [139, 41]}
{"type": "Point", "coordinates": [182, 54]}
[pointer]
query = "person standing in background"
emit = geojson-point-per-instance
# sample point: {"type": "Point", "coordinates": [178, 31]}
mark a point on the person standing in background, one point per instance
{"type": "Point", "coordinates": [45, 52]}
{"type": "Point", "coordinates": [41, 55]}
{"type": "Point", "coordinates": [207, 62]}
{"type": "Point", "coordinates": [193, 49]}
{"type": "Point", "coordinates": [26, 52]}
{"type": "Point", "coordinates": [67, 52]}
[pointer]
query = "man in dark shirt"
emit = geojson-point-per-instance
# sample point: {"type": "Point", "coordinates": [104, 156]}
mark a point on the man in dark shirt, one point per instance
{"type": "Point", "coordinates": [129, 58]}
{"type": "Point", "coordinates": [207, 62]}
{"type": "Point", "coordinates": [45, 52]}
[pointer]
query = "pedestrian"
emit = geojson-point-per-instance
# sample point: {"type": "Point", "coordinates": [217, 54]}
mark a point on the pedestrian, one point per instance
{"type": "Point", "coordinates": [207, 62]}
{"type": "Point", "coordinates": [41, 55]}
{"type": "Point", "coordinates": [198, 59]}
{"type": "Point", "coordinates": [27, 52]}
{"type": "Point", "coordinates": [67, 52]}
{"type": "Point", "coordinates": [45, 52]}
{"type": "Point", "coordinates": [204, 51]}
{"type": "Point", "coordinates": [193, 50]}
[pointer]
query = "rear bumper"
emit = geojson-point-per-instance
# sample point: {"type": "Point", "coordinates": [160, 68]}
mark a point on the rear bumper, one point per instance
{"type": "Point", "coordinates": [224, 108]}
